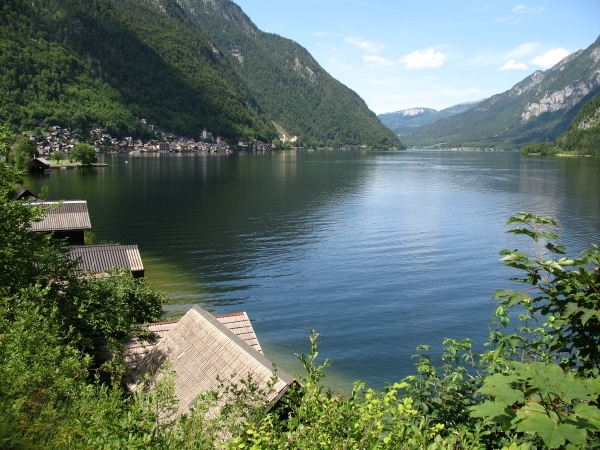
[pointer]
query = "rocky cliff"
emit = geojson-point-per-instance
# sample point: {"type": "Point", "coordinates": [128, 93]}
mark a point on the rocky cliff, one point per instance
{"type": "Point", "coordinates": [539, 108]}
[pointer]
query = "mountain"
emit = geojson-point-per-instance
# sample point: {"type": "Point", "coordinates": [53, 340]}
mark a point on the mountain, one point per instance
{"type": "Point", "coordinates": [539, 108]}
{"type": "Point", "coordinates": [296, 94]}
{"type": "Point", "coordinates": [583, 134]}
{"type": "Point", "coordinates": [107, 63]}
{"type": "Point", "coordinates": [407, 121]}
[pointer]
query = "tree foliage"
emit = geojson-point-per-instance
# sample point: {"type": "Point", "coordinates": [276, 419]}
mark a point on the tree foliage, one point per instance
{"type": "Point", "coordinates": [22, 153]}
{"type": "Point", "coordinates": [83, 154]}
{"type": "Point", "coordinates": [57, 156]}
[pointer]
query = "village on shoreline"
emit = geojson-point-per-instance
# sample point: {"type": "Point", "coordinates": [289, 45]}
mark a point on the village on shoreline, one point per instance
{"type": "Point", "coordinates": [61, 139]}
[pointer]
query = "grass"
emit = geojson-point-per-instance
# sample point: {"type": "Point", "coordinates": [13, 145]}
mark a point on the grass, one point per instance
{"type": "Point", "coordinates": [67, 163]}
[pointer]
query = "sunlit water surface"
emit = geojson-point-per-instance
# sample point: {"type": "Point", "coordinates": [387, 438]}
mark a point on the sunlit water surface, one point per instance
{"type": "Point", "coordinates": [377, 251]}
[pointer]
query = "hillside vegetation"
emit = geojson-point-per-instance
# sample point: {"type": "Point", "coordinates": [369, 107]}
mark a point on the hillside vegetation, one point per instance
{"type": "Point", "coordinates": [539, 108]}
{"type": "Point", "coordinates": [109, 64]}
{"type": "Point", "coordinates": [80, 64]}
{"type": "Point", "coordinates": [291, 88]}
{"type": "Point", "coordinates": [582, 137]}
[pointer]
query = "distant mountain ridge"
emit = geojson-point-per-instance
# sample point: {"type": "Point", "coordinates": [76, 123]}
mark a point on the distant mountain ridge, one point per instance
{"type": "Point", "coordinates": [539, 108]}
{"type": "Point", "coordinates": [408, 120]}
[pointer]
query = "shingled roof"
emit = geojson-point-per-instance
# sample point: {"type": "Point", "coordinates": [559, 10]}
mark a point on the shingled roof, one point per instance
{"type": "Point", "coordinates": [65, 216]}
{"type": "Point", "coordinates": [239, 323]}
{"type": "Point", "coordinates": [23, 193]}
{"type": "Point", "coordinates": [102, 258]}
{"type": "Point", "coordinates": [200, 349]}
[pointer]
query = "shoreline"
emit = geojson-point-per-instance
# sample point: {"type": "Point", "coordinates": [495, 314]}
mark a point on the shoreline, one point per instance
{"type": "Point", "coordinates": [70, 165]}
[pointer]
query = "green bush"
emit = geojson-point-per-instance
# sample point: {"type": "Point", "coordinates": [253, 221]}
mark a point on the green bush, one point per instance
{"type": "Point", "coordinates": [84, 154]}
{"type": "Point", "coordinates": [540, 148]}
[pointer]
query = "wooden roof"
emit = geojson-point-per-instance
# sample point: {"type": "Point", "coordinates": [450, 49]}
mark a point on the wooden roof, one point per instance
{"type": "Point", "coordinates": [200, 349]}
{"type": "Point", "coordinates": [238, 323]}
{"type": "Point", "coordinates": [63, 216]}
{"type": "Point", "coordinates": [23, 193]}
{"type": "Point", "coordinates": [42, 161]}
{"type": "Point", "coordinates": [102, 258]}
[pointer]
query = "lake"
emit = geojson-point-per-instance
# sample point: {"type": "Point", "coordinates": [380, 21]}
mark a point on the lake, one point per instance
{"type": "Point", "coordinates": [377, 251]}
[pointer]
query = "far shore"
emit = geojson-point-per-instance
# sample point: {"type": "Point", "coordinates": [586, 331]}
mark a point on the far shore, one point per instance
{"type": "Point", "coordinates": [567, 155]}
{"type": "Point", "coordinates": [66, 163]}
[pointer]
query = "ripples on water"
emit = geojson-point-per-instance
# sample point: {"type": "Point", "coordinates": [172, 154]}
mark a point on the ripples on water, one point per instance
{"type": "Point", "coordinates": [377, 251]}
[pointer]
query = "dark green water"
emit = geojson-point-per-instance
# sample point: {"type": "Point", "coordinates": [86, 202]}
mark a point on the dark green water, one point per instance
{"type": "Point", "coordinates": [377, 251]}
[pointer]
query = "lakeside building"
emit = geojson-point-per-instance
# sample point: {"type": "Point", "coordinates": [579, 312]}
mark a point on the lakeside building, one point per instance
{"type": "Point", "coordinates": [201, 350]}
{"type": "Point", "coordinates": [64, 220]}
{"type": "Point", "coordinates": [99, 259]}
{"type": "Point", "coordinates": [69, 220]}
{"type": "Point", "coordinates": [40, 165]}
{"type": "Point", "coordinates": [23, 193]}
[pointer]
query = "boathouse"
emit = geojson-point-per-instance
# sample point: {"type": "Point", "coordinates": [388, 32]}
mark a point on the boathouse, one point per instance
{"type": "Point", "coordinates": [40, 165]}
{"type": "Point", "coordinates": [23, 193]}
{"type": "Point", "coordinates": [98, 259]}
{"type": "Point", "coordinates": [200, 349]}
{"type": "Point", "coordinates": [65, 220]}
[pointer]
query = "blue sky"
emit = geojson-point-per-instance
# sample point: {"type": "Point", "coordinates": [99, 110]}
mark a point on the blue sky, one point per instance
{"type": "Point", "coordinates": [398, 54]}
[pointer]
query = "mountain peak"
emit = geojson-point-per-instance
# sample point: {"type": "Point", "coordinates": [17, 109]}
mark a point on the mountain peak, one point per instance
{"type": "Point", "coordinates": [538, 108]}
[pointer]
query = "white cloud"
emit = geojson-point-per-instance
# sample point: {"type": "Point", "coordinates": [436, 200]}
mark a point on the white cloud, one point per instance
{"type": "Point", "coordinates": [424, 59]}
{"type": "Point", "coordinates": [550, 58]}
{"type": "Point", "coordinates": [519, 9]}
{"type": "Point", "coordinates": [365, 45]}
{"type": "Point", "coordinates": [513, 64]}
{"type": "Point", "coordinates": [377, 59]}
{"type": "Point", "coordinates": [522, 9]}
{"type": "Point", "coordinates": [523, 49]}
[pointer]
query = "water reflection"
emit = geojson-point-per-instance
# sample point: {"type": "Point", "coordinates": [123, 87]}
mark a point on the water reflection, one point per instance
{"type": "Point", "coordinates": [377, 251]}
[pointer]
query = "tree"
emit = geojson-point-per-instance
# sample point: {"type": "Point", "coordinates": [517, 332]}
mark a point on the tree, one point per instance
{"type": "Point", "coordinates": [22, 153]}
{"type": "Point", "coordinates": [6, 139]}
{"type": "Point", "coordinates": [84, 154]}
{"type": "Point", "coordinates": [57, 156]}
{"type": "Point", "coordinates": [92, 313]}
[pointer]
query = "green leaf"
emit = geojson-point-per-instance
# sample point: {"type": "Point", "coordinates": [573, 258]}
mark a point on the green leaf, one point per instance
{"type": "Point", "coordinates": [570, 309]}
{"type": "Point", "coordinates": [587, 315]}
{"type": "Point", "coordinates": [543, 426]}
{"type": "Point", "coordinates": [574, 434]}
{"type": "Point", "coordinates": [498, 386]}
{"type": "Point", "coordinates": [493, 411]}
{"type": "Point", "coordinates": [588, 412]}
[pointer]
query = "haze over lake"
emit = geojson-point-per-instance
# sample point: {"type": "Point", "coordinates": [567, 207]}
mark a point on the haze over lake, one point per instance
{"type": "Point", "coordinates": [377, 251]}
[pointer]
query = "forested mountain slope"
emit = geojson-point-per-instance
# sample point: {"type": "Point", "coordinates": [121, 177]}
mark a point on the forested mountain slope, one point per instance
{"type": "Point", "coordinates": [584, 133]}
{"type": "Point", "coordinates": [110, 63]}
{"type": "Point", "coordinates": [289, 85]}
{"type": "Point", "coordinates": [539, 108]}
